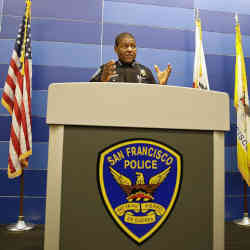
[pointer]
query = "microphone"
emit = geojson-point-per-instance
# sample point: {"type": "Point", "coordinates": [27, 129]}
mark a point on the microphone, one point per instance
{"type": "Point", "coordinates": [114, 78]}
{"type": "Point", "coordinates": [141, 76]}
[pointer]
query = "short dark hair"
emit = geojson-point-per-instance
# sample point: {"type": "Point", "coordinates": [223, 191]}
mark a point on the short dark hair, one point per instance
{"type": "Point", "coordinates": [121, 36]}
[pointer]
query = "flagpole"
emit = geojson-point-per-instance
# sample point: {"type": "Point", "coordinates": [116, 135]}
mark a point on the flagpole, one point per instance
{"type": "Point", "coordinates": [236, 18]}
{"type": "Point", "coordinates": [21, 195]}
{"type": "Point", "coordinates": [245, 197]}
{"type": "Point", "coordinates": [1, 14]}
{"type": "Point", "coordinates": [21, 225]}
{"type": "Point", "coordinates": [196, 14]}
{"type": "Point", "coordinates": [245, 221]}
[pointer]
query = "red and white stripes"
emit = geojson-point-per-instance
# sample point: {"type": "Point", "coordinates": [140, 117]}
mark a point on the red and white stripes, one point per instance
{"type": "Point", "coordinates": [17, 100]}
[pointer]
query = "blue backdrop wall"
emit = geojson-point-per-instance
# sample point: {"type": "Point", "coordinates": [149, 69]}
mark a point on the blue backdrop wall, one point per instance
{"type": "Point", "coordinates": [71, 39]}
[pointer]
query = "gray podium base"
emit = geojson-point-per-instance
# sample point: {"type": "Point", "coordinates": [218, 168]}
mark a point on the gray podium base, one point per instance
{"type": "Point", "coordinates": [85, 222]}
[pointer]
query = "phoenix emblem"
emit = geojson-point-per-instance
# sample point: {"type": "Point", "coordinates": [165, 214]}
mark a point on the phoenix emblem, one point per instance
{"type": "Point", "coordinates": [140, 190]}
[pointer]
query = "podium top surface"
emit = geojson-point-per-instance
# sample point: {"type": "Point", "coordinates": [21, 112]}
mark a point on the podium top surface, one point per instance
{"type": "Point", "coordinates": [137, 105]}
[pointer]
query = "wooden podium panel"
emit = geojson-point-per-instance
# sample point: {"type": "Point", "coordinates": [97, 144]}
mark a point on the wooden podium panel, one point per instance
{"type": "Point", "coordinates": [76, 217]}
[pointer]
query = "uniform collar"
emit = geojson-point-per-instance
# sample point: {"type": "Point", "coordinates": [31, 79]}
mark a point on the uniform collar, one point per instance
{"type": "Point", "coordinates": [133, 64]}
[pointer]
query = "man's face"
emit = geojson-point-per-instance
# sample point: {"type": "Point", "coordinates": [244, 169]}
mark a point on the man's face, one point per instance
{"type": "Point", "coordinates": [126, 49]}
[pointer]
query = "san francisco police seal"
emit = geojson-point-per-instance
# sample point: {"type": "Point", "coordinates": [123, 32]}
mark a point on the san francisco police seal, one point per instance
{"type": "Point", "coordinates": [139, 182]}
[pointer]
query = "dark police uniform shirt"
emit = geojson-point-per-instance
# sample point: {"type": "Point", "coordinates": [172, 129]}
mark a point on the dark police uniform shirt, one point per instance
{"type": "Point", "coordinates": [133, 73]}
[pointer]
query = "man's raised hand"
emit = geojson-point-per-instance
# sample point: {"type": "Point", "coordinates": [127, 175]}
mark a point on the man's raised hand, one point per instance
{"type": "Point", "coordinates": [163, 75]}
{"type": "Point", "coordinates": [109, 70]}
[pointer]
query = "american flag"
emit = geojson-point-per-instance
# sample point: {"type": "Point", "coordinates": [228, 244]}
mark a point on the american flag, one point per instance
{"type": "Point", "coordinates": [16, 98]}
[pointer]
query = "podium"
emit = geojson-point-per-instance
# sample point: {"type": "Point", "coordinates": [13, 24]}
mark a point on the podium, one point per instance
{"type": "Point", "coordinates": [87, 118]}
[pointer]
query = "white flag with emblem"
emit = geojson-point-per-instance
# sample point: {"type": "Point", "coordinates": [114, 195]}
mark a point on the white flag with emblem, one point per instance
{"type": "Point", "coordinates": [200, 79]}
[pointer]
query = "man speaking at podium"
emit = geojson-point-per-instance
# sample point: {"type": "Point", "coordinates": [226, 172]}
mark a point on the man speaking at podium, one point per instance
{"type": "Point", "coordinates": [126, 69]}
